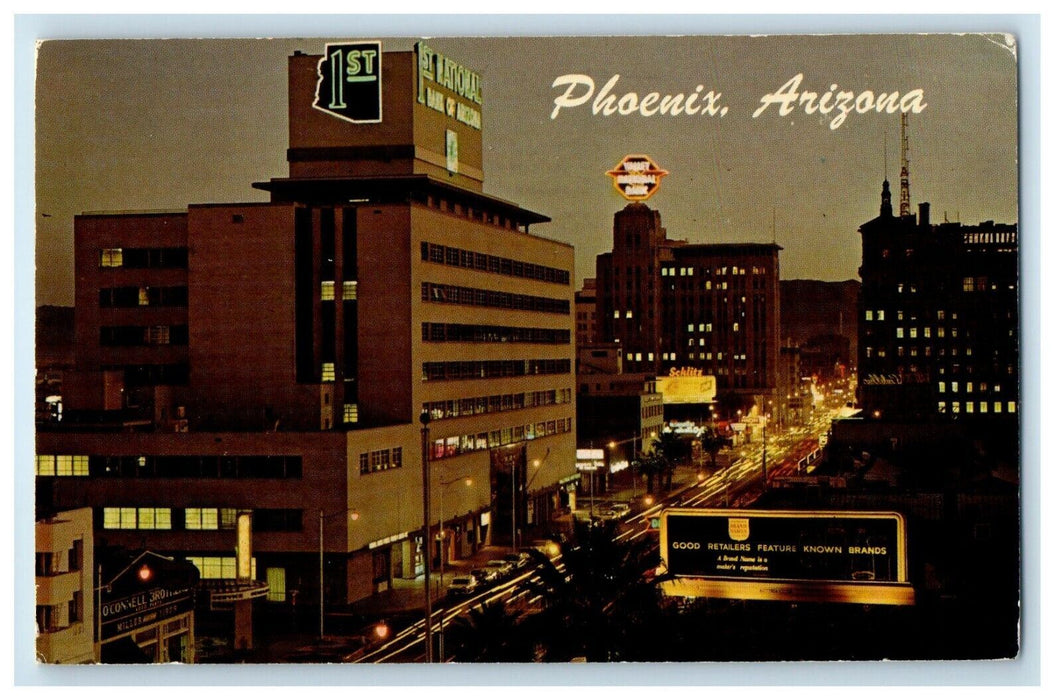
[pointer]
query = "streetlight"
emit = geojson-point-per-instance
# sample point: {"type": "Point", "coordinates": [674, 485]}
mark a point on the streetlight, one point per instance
{"type": "Point", "coordinates": [320, 549]}
{"type": "Point", "coordinates": [425, 419]}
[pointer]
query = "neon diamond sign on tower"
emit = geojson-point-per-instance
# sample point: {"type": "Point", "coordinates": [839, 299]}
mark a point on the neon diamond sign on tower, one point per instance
{"type": "Point", "coordinates": [636, 177]}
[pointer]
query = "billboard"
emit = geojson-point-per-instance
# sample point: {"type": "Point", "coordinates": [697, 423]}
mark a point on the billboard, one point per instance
{"type": "Point", "coordinates": [838, 556]}
{"type": "Point", "coordinates": [686, 389]}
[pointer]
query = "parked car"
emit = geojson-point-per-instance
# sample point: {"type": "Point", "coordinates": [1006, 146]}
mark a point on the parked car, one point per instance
{"type": "Point", "coordinates": [462, 585]}
{"type": "Point", "coordinates": [484, 576]}
{"type": "Point", "coordinates": [620, 509]}
{"type": "Point", "coordinates": [518, 560]}
{"type": "Point", "coordinates": [503, 567]}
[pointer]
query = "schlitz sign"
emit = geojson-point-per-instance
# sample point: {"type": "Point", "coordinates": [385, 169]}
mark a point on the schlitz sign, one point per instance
{"type": "Point", "coordinates": [786, 555]}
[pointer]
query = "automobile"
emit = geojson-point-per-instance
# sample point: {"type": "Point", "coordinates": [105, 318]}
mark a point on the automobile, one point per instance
{"type": "Point", "coordinates": [519, 560]}
{"type": "Point", "coordinates": [606, 514]}
{"type": "Point", "coordinates": [620, 509]}
{"type": "Point", "coordinates": [462, 585]}
{"type": "Point", "coordinates": [503, 567]}
{"type": "Point", "coordinates": [484, 576]}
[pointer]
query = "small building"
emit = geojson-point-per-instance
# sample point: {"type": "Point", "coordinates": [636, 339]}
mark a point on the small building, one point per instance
{"type": "Point", "coordinates": [65, 601]}
{"type": "Point", "coordinates": [147, 609]}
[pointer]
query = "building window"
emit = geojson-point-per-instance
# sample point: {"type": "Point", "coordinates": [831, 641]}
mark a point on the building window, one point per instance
{"type": "Point", "coordinates": [111, 257]}
{"type": "Point", "coordinates": [328, 371]}
{"type": "Point", "coordinates": [380, 460]}
{"type": "Point", "coordinates": [200, 518]}
{"type": "Point", "coordinates": [136, 519]}
{"type": "Point", "coordinates": [62, 465]}
{"type": "Point", "coordinates": [350, 291]}
{"type": "Point", "coordinates": [350, 413]}
{"type": "Point", "coordinates": [220, 567]}
{"type": "Point", "coordinates": [328, 291]}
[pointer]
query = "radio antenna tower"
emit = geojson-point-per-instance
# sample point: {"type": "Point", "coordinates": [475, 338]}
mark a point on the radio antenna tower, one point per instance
{"type": "Point", "coordinates": [905, 185]}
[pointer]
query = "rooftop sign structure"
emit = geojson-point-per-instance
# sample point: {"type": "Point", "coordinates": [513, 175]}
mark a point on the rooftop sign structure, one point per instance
{"type": "Point", "coordinates": [815, 556]}
{"type": "Point", "coordinates": [350, 82]}
{"type": "Point", "coordinates": [636, 177]}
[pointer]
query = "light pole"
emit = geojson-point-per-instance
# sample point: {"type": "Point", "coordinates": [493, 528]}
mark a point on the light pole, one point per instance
{"type": "Point", "coordinates": [765, 453]}
{"type": "Point", "coordinates": [320, 551]}
{"type": "Point", "coordinates": [512, 472]}
{"type": "Point", "coordinates": [425, 419]}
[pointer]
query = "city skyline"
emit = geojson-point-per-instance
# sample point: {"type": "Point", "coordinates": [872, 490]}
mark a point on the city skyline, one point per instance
{"type": "Point", "coordinates": [124, 141]}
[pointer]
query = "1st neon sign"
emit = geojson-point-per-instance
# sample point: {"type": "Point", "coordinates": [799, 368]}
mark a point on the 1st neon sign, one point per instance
{"type": "Point", "coordinates": [350, 82]}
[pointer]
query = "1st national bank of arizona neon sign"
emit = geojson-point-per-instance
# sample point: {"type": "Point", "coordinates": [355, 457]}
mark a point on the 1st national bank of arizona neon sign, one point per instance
{"type": "Point", "coordinates": [350, 82]}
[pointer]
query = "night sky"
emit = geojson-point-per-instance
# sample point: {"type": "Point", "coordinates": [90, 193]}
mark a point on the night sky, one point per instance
{"type": "Point", "coordinates": [160, 124]}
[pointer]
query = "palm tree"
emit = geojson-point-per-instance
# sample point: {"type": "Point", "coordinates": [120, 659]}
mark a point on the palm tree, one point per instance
{"type": "Point", "coordinates": [712, 443]}
{"type": "Point", "coordinates": [592, 596]}
{"type": "Point", "coordinates": [647, 466]}
{"type": "Point", "coordinates": [671, 449]}
{"type": "Point", "coordinates": [490, 633]}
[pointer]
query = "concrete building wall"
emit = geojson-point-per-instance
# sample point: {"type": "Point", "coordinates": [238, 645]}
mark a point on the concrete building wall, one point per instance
{"type": "Point", "coordinates": [64, 583]}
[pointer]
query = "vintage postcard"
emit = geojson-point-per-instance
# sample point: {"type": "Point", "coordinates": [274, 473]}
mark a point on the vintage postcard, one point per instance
{"type": "Point", "coordinates": [368, 349]}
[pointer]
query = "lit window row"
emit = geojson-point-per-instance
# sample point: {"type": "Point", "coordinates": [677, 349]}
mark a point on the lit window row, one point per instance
{"type": "Point", "coordinates": [138, 258]}
{"type": "Point", "coordinates": [220, 567]}
{"type": "Point", "coordinates": [456, 257]}
{"type": "Point", "coordinates": [380, 460]}
{"type": "Point", "coordinates": [62, 465]}
{"type": "Point", "coordinates": [981, 387]}
{"type": "Point", "coordinates": [136, 518]}
{"type": "Point", "coordinates": [701, 328]}
{"type": "Point", "coordinates": [475, 442]}
{"type": "Point", "coordinates": [637, 357]}
{"type": "Point", "coordinates": [974, 407]}
{"type": "Point", "coordinates": [349, 290]}
{"type": "Point", "coordinates": [469, 296]}
{"type": "Point", "coordinates": [171, 466]}
{"type": "Point", "coordinates": [133, 297]}
{"type": "Point", "coordinates": [454, 408]}
{"type": "Point", "coordinates": [468, 333]}
{"type": "Point", "coordinates": [488, 369]}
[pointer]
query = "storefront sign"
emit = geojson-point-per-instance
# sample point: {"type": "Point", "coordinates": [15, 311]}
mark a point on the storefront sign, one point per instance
{"type": "Point", "coordinates": [149, 590]}
{"type": "Point", "coordinates": [589, 460]}
{"type": "Point", "coordinates": [434, 68]}
{"type": "Point", "coordinates": [636, 177]}
{"type": "Point", "coordinates": [786, 555]}
{"type": "Point", "coordinates": [350, 82]}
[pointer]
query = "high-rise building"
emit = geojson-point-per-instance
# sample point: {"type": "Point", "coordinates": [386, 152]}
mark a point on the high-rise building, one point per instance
{"type": "Point", "coordinates": [938, 324]}
{"type": "Point", "coordinates": [278, 357]}
{"type": "Point", "coordinates": [674, 305]}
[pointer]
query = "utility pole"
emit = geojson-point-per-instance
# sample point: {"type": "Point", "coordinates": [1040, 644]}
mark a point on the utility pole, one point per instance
{"type": "Point", "coordinates": [765, 454]}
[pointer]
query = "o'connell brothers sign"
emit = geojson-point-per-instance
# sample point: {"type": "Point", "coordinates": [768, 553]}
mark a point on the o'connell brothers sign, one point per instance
{"type": "Point", "coordinates": [821, 556]}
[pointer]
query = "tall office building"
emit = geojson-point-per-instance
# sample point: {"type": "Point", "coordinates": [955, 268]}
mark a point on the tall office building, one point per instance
{"type": "Point", "coordinates": [674, 305]}
{"type": "Point", "coordinates": [938, 324]}
{"type": "Point", "coordinates": [277, 357]}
